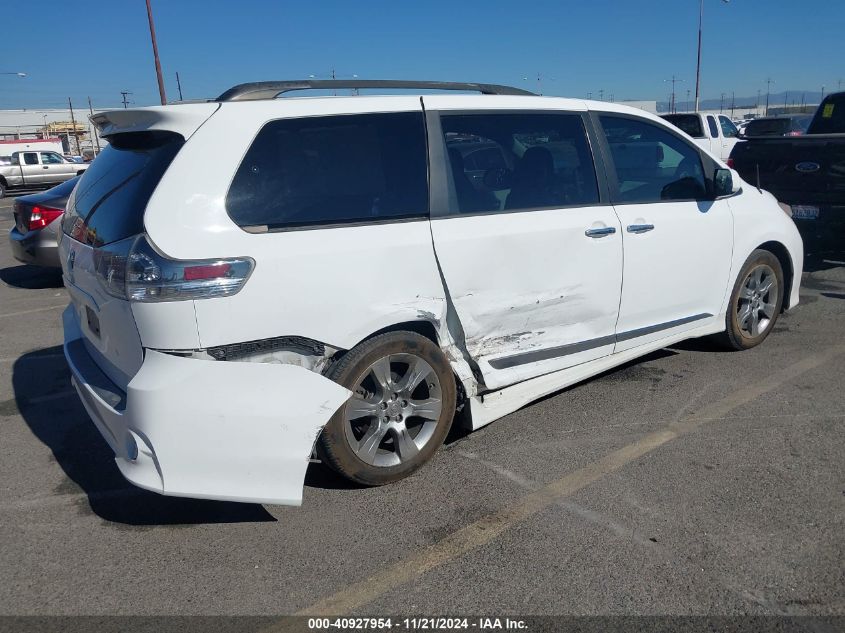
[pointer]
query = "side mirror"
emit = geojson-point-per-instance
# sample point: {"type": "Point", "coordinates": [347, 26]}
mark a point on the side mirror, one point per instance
{"type": "Point", "coordinates": [723, 183]}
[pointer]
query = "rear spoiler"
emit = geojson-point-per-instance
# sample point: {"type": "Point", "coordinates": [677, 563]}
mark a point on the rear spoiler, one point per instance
{"type": "Point", "coordinates": [182, 119]}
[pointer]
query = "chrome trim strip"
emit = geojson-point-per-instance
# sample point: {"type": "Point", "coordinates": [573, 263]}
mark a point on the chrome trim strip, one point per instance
{"type": "Point", "coordinates": [548, 353]}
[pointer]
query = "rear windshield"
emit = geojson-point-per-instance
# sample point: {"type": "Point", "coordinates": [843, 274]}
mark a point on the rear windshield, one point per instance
{"type": "Point", "coordinates": [830, 118]}
{"type": "Point", "coordinates": [768, 127]}
{"type": "Point", "coordinates": [689, 123]}
{"type": "Point", "coordinates": [113, 192]}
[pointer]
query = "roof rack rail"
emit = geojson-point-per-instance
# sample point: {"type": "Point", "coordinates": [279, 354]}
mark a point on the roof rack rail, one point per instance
{"type": "Point", "coordinates": [272, 89]}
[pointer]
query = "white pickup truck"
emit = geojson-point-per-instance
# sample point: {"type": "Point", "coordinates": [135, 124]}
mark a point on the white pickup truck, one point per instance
{"type": "Point", "coordinates": [37, 170]}
{"type": "Point", "coordinates": [714, 132]}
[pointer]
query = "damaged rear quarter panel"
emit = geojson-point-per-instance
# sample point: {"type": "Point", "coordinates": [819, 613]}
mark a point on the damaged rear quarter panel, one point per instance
{"type": "Point", "coordinates": [231, 431]}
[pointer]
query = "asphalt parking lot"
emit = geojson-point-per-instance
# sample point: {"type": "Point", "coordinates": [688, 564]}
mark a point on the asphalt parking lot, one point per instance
{"type": "Point", "coordinates": [690, 482]}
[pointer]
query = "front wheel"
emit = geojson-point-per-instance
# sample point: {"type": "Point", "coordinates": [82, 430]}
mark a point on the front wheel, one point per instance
{"type": "Point", "coordinates": [755, 302]}
{"type": "Point", "coordinates": [401, 409]}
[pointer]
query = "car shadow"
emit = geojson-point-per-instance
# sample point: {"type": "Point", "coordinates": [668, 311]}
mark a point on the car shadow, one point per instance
{"type": "Point", "coordinates": [46, 401]}
{"type": "Point", "coordinates": [31, 277]}
{"type": "Point", "coordinates": [816, 263]}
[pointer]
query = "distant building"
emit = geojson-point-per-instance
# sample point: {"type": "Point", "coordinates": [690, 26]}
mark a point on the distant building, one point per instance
{"type": "Point", "coordinates": [648, 106]}
{"type": "Point", "coordinates": [52, 123]}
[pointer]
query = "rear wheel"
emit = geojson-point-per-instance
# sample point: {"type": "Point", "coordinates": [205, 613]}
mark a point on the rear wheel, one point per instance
{"type": "Point", "coordinates": [755, 303]}
{"type": "Point", "coordinates": [399, 414]}
{"type": "Point", "coordinates": [2, 189]}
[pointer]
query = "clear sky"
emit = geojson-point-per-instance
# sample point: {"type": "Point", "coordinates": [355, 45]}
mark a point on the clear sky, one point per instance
{"type": "Point", "coordinates": [81, 48]}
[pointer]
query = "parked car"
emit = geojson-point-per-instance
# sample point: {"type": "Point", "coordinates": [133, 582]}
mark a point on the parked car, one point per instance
{"type": "Point", "coordinates": [5, 160]}
{"type": "Point", "coordinates": [37, 170]}
{"type": "Point", "coordinates": [253, 275]}
{"type": "Point", "coordinates": [783, 125]}
{"type": "Point", "coordinates": [37, 225]}
{"type": "Point", "coordinates": [806, 173]}
{"type": "Point", "coordinates": [715, 133]}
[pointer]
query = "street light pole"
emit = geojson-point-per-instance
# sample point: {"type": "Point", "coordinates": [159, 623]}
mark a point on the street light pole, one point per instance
{"type": "Point", "coordinates": [155, 55]}
{"type": "Point", "coordinates": [769, 82]}
{"type": "Point", "coordinates": [698, 63]}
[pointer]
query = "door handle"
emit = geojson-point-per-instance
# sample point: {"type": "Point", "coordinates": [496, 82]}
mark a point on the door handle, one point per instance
{"type": "Point", "coordinates": [640, 228]}
{"type": "Point", "coordinates": [605, 230]}
{"type": "Point", "coordinates": [45, 167]}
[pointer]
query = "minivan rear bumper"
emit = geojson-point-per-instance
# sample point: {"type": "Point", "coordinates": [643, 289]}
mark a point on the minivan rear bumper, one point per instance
{"type": "Point", "coordinates": [207, 429]}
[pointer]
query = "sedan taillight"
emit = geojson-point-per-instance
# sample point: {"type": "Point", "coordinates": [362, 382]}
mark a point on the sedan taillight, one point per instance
{"type": "Point", "coordinates": [42, 216]}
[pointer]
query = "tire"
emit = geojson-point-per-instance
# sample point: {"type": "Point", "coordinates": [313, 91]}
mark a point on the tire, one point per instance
{"type": "Point", "coordinates": [752, 314]}
{"type": "Point", "coordinates": [392, 425]}
{"type": "Point", "coordinates": [2, 189]}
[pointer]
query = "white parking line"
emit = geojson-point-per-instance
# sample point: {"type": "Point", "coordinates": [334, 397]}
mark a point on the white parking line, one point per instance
{"type": "Point", "coordinates": [26, 359]}
{"type": "Point", "coordinates": [33, 311]}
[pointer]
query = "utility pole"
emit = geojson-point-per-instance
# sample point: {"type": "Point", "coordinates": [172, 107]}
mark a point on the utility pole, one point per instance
{"type": "Point", "coordinates": [785, 101]}
{"type": "Point", "coordinates": [688, 101]}
{"type": "Point", "coordinates": [822, 99]}
{"type": "Point", "coordinates": [601, 94]}
{"type": "Point", "coordinates": [673, 81]}
{"type": "Point", "coordinates": [73, 123]}
{"type": "Point", "coordinates": [95, 135]}
{"type": "Point", "coordinates": [721, 103]}
{"type": "Point", "coordinates": [125, 101]}
{"type": "Point", "coordinates": [155, 55]}
{"type": "Point", "coordinates": [769, 82]}
{"type": "Point", "coordinates": [733, 103]}
{"type": "Point", "coordinates": [757, 105]}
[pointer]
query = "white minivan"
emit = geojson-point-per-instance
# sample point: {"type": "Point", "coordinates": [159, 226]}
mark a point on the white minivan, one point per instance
{"type": "Point", "coordinates": [255, 280]}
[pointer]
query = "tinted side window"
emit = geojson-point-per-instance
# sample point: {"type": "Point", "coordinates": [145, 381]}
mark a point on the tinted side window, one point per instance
{"type": "Point", "coordinates": [330, 170]}
{"type": "Point", "coordinates": [30, 158]}
{"type": "Point", "coordinates": [651, 163]}
{"type": "Point", "coordinates": [728, 128]}
{"type": "Point", "coordinates": [508, 162]}
{"type": "Point", "coordinates": [49, 158]}
{"type": "Point", "coordinates": [714, 130]}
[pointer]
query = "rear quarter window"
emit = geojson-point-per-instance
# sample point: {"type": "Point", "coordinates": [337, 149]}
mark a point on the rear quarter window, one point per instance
{"type": "Point", "coordinates": [332, 170]}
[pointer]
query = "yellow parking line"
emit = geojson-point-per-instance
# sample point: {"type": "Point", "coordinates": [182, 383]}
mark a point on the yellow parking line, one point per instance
{"type": "Point", "coordinates": [488, 528]}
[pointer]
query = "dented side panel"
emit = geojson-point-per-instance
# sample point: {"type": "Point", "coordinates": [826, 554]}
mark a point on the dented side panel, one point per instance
{"type": "Point", "coordinates": [523, 282]}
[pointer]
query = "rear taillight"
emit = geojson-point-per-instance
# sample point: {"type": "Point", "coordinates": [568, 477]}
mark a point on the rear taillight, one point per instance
{"type": "Point", "coordinates": [795, 133]}
{"type": "Point", "coordinates": [132, 269]}
{"type": "Point", "coordinates": [730, 163]}
{"type": "Point", "coordinates": [42, 216]}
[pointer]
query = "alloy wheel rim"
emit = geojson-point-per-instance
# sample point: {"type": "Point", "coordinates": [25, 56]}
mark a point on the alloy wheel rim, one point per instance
{"type": "Point", "coordinates": [394, 410]}
{"type": "Point", "coordinates": [757, 300]}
